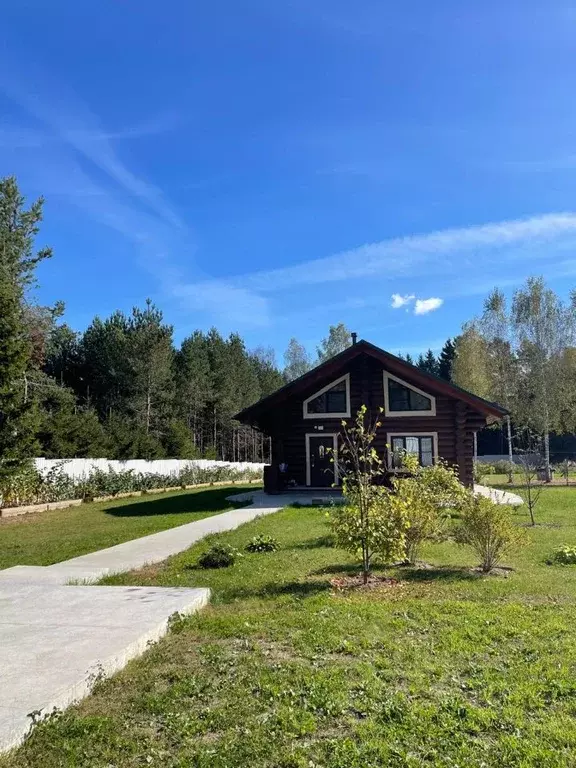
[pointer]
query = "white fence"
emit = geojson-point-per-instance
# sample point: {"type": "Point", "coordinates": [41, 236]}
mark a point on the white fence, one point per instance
{"type": "Point", "coordinates": [81, 469]}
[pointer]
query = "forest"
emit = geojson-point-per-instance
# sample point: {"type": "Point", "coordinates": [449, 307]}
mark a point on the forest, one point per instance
{"type": "Point", "coordinates": [122, 388]}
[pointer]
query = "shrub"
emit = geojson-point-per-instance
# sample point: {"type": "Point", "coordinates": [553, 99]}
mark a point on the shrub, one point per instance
{"type": "Point", "coordinates": [373, 521]}
{"type": "Point", "coordinates": [262, 543]}
{"type": "Point", "coordinates": [564, 555]}
{"type": "Point", "coordinates": [370, 527]}
{"type": "Point", "coordinates": [488, 528]}
{"type": "Point", "coordinates": [504, 467]}
{"type": "Point", "coordinates": [30, 487]}
{"type": "Point", "coordinates": [428, 496]}
{"type": "Point", "coordinates": [481, 469]}
{"type": "Point", "coordinates": [219, 556]}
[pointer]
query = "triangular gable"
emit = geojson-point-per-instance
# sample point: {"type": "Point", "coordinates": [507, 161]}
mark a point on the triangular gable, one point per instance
{"type": "Point", "coordinates": [334, 366]}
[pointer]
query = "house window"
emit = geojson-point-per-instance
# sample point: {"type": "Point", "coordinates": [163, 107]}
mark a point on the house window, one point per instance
{"type": "Point", "coordinates": [421, 446]}
{"type": "Point", "coordinates": [332, 401]}
{"type": "Point", "coordinates": [403, 399]}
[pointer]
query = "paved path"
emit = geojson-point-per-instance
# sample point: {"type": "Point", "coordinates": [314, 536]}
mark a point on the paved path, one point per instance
{"type": "Point", "coordinates": [498, 496]}
{"type": "Point", "coordinates": [145, 550]}
{"type": "Point", "coordinates": [55, 640]}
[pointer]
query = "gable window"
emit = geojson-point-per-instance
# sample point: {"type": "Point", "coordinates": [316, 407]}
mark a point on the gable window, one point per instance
{"type": "Point", "coordinates": [331, 402]}
{"type": "Point", "coordinates": [403, 399]}
{"type": "Point", "coordinates": [423, 446]}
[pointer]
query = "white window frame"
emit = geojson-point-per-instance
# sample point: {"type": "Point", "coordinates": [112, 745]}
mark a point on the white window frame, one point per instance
{"type": "Point", "coordinates": [407, 433]}
{"type": "Point", "coordinates": [402, 414]}
{"type": "Point", "coordinates": [345, 415]}
{"type": "Point", "coordinates": [334, 436]}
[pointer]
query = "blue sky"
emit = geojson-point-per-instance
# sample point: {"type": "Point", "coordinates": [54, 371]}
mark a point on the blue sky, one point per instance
{"type": "Point", "coordinates": [273, 168]}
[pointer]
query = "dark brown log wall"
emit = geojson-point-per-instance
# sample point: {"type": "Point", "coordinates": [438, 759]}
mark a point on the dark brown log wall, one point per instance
{"type": "Point", "coordinates": [454, 422]}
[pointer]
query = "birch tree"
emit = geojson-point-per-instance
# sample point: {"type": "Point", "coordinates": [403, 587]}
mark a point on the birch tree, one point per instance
{"type": "Point", "coordinates": [544, 327]}
{"type": "Point", "coordinates": [498, 331]}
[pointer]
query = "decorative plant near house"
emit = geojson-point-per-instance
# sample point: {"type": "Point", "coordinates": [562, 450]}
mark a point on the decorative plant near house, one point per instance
{"type": "Point", "coordinates": [373, 520]}
{"type": "Point", "coordinates": [489, 529]}
{"type": "Point", "coordinates": [530, 460]}
{"type": "Point", "coordinates": [428, 495]}
{"type": "Point", "coordinates": [564, 555]}
{"type": "Point", "coordinates": [219, 556]}
{"type": "Point", "coordinates": [262, 543]}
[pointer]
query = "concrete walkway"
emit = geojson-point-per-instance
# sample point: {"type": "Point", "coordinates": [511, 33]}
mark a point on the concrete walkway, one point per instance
{"type": "Point", "coordinates": [498, 496]}
{"type": "Point", "coordinates": [57, 640]}
{"type": "Point", "coordinates": [146, 550]}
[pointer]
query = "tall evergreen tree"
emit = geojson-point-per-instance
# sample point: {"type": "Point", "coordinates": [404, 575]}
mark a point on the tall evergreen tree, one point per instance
{"type": "Point", "coordinates": [192, 366]}
{"type": "Point", "coordinates": [104, 368]}
{"type": "Point", "coordinates": [269, 377]}
{"type": "Point", "coordinates": [446, 360]}
{"type": "Point", "coordinates": [18, 229]}
{"type": "Point", "coordinates": [150, 358]}
{"type": "Point", "coordinates": [428, 362]}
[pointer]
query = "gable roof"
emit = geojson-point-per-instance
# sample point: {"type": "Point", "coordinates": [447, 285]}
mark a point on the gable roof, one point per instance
{"type": "Point", "coordinates": [393, 364]}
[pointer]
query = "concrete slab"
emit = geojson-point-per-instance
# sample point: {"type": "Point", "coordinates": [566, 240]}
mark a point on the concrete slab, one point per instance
{"type": "Point", "coordinates": [498, 496]}
{"type": "Point", "coordinates": [58, 641]}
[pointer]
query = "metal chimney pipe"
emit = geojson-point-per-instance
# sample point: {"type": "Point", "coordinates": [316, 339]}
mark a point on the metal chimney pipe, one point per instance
{"type": "Point", "coordinates": [354, 337]}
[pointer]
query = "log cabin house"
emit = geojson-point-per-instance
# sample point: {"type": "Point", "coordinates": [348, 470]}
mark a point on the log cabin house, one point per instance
{"type": "Point", "coordinates": [422, 414]}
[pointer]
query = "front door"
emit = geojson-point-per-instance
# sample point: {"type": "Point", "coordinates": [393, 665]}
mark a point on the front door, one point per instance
{"type": "Point", "coordinates": [321, 461]}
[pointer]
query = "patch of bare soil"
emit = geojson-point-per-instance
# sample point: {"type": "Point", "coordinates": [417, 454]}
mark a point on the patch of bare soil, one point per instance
{"type": "Point", "coordinates": [344, 583]}
{"type": "Point", "coordinates": [501, 570]}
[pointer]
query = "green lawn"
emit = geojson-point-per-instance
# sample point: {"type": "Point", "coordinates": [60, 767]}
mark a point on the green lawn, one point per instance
{"type": "Point", "coordinates": [447, 669]}
{"type": "Point", "coordinates": [518, 480]}
{"type": "Point", "coordinates": [49, 537]}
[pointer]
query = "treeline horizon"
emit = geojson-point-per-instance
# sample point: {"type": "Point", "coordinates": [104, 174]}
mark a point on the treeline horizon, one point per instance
{"type": "Point", "coordinates": [123, 389]}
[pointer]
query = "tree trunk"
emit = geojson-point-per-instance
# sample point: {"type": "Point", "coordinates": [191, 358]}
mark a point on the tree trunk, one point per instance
{"type": "Point", "coordinates": [547, 455]}
{"type": "Point", "coordinates": [510, 454]}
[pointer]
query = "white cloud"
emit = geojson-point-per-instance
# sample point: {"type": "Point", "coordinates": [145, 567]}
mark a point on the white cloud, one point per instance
{"type": "Point", "coordinates": [423, 306]}
{"type": "Point", "coordinates": [401, 301]}
{"type": "Point", "coordinates": [434, 253]}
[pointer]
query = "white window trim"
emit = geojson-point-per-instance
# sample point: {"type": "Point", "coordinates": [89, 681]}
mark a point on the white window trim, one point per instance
{"type": "Point", "coordinates": [407, 433]}
{"type": "Point", "coordinates": [402, 414]}
{"type": "Point", "coordinates": [345, 415]}
{"type": "Point", "coordinates": [334, 436]}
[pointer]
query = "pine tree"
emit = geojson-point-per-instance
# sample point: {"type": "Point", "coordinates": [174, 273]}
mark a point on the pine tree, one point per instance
{"type": "Point", "coordinates": [428, 362]}
{"type": "Point", "coordinates": [18, 420]}
{"type": "Point", "coordinates": [150, 358]}
{"type": "Point", "coordinates": [446, 360]}
{"type": "Point", "coordinates": [192, 373]}
{"type": "Point", "coordinates": [103, 366]}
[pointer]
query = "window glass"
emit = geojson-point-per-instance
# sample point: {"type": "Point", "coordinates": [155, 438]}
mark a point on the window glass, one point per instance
{"type": "Point", "coordinates": [401, 398]}
{"type": "Point", "coordinates": [413, 445]}
{"type": "Point", "coordinates": [422, 447]}
{"type": "Point", "coordinates": [331, 401]}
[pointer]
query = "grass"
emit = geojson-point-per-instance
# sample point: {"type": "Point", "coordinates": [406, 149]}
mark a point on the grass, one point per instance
{"type": "Point", "coordinates": [518, 480]}
{"type": "Point", "coordinates": [446, 669]}
{"type": "Point", "coordinates": [50, 537]}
